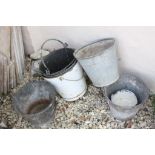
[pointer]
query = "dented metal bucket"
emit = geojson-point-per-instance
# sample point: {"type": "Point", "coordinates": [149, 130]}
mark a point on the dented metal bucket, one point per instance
{"type": "Point", "coordinates": [133, 84]}
{"type": "Point", "coordinates": [99, 60]}
{"type": "Point", "coordinates": [35, 101]}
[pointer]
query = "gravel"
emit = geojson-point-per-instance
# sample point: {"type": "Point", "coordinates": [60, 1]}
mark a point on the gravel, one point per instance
{"type": "Point", "coordinates": [89, 112]}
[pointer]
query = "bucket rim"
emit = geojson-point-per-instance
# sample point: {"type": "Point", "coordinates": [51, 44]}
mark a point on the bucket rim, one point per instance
{"type": "Point", "coordinates": [63, 71]}
{"type": "Point", "coordinates": [97, 54]}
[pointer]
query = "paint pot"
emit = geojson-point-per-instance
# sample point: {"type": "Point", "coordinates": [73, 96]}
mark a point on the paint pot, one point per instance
{"type": "Point", "coordinates": [131, 83]}
{"type": "Point", "coordinates": [63, 71]}
{"type": "Point", "coordinates": [35, 101]}
{"type": "Point", "coordinates": [99, 60]}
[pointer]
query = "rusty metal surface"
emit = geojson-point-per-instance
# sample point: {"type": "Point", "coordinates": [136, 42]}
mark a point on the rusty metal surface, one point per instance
{"type": "Point", "coordinates": [35, 92]}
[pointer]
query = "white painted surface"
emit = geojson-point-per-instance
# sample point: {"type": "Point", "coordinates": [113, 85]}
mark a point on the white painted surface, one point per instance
{"type": "Point", "coordinates": [136, 45]}
{"type": "Point", "coordinates": [71, 85]}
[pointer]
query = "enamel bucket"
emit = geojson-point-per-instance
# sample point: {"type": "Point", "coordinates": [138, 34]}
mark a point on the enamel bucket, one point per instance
{"type": "Point", "coordinates": [62, 70]}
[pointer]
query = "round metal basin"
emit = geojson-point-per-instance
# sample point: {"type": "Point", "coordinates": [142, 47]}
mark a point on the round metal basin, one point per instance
{"type": "Point", "coordinates": [36, 102]}
{"type": "Point", "coordinates": [131, 83]}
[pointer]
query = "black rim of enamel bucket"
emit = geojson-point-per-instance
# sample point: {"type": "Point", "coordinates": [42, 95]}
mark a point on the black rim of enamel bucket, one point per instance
{"type": "Point", "coordinates": [58, 62]}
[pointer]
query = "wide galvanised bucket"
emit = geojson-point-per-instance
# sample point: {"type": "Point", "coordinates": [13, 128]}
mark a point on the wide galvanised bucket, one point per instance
{"type": "Point", "coordinates": [35, 101]}
{"type": "Point", "coordinates": [132, 83]}
{"type": "Point", "coordinates": [99, 60]}
{"type": "Point", "coordinates": [63, 71]}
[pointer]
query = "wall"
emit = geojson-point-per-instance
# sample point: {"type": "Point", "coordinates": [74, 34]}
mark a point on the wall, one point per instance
{"type": "Point", "coordinates": [136, 45]}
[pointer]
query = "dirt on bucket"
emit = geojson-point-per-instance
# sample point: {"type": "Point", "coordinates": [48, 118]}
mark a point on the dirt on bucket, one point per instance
{"type": "Point", "coordinates": [38, 106]}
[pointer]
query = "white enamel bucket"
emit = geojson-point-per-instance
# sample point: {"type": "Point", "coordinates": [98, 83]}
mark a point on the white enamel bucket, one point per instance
{"type": "Point", "coordinates": [71, 85]}
{"type": "Point", "coordinates": [62, 70]}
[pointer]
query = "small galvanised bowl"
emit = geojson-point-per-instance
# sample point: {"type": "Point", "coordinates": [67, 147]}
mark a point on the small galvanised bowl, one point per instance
{"type": "Point", "coordinates": [132, 83]}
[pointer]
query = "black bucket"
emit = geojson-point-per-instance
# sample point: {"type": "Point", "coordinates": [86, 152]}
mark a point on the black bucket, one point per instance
{"type": "Point", "coordinates": [57, 62]}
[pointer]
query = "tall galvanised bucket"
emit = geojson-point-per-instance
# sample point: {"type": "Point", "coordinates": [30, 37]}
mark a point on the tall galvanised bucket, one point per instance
{"type": "Point", "coordinates": [99, 60]}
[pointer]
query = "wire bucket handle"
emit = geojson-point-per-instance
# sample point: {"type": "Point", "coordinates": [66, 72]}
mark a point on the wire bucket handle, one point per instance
{"type": "Point", "coordinates": [42, 47]}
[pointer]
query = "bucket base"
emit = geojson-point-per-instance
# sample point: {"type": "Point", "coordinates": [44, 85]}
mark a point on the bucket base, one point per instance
{"type": "Point", "coordinates": [77, 97]}
{"type": "Point", "coordinates": [105, 85]}
{"type": "Point", "coordinates": [123, 118]}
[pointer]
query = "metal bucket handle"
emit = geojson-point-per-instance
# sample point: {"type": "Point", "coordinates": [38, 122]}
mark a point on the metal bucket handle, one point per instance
{"type": "Point", "coordinates": [42, 46]}
{"type": "Point", "coordinates": [62, 78]}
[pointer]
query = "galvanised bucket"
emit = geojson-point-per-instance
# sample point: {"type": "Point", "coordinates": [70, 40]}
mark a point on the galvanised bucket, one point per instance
{"type": "Point", "coordinates": [132, 83]}
{"type": "Point", "coordinates": [35, 101]}
{"type": "Point", "coordinates": [99, 60]}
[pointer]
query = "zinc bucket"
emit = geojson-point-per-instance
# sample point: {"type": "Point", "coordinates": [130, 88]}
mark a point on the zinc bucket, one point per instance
{"type": "Point", "coordinates": [99, 60]}
{"type": "Point", "coordinates": [62, 70]}
{"type": "Point", "coordinates": [35, 101]}
{"type": "Point", "coordinates": [132, 83]}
